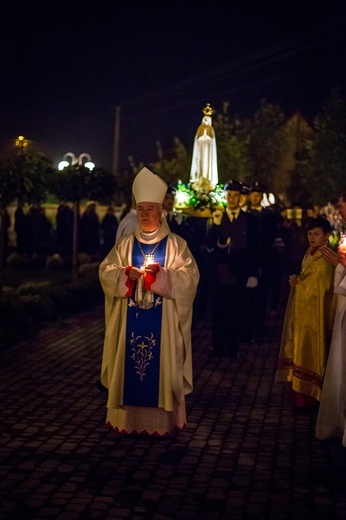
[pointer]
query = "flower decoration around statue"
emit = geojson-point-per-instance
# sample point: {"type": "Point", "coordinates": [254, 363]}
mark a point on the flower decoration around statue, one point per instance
{"type": "Point", "coordinates": [199, 198]}
{"type": "Point", "coordinates": [338, 226]}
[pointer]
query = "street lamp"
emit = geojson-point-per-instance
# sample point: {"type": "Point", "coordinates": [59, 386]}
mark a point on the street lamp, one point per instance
{"type": "Point", "coordinates": [76, 160]}
{"type": "Point", "coordinates": [21, 142]}
{"type": "Point", "coordinates": [65, 163]}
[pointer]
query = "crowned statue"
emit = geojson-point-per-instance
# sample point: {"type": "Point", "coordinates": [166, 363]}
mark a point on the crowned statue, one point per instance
{"type": "Point", "coordinates": [203, 193]}
{"type": "Point", "coordinates": [204, 173]}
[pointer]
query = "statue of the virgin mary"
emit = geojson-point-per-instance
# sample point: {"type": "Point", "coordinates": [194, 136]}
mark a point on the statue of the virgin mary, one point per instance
{"type": "Point", "coordinates": [204, 157]}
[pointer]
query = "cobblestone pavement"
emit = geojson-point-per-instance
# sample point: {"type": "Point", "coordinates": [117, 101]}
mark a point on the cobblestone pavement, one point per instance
{"type": "Point", "coordinates": [244, 455]}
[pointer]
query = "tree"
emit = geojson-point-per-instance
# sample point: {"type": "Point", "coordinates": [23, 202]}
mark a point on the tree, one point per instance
{"type": "Point", "coordinates": [267, 141]}
{"type": "Point", "coordinates": [173, 166]}
{"type": "Point", "coordinates": [289, 183]}
{"type": "Point", "coordinates": [25, 176]}
{"type": "Point", "coordinates": [76, 183]}
{"type": "Point", "coordinates": [325, 168]}
{"type": "Point", "coordinates": [233, 139]}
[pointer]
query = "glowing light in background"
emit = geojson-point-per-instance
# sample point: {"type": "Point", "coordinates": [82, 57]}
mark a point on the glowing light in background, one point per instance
{"type": "Point", "coordinates": [76, 160]}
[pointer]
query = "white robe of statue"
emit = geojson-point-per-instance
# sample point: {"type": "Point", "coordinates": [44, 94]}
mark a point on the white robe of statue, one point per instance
{"type": "Point", "coordinates": [204, 156]}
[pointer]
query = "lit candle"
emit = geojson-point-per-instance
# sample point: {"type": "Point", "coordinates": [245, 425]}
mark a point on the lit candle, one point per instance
{"type": "Point", "coordinates": [149, 260]}
{"type": "Point", "coordinates": [342, 245]}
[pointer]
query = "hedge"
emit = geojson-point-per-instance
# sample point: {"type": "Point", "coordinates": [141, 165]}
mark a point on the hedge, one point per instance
{"type": "Point", "coordinates": [26, 309]}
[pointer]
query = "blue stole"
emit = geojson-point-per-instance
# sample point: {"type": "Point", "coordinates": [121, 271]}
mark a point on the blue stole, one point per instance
{"type": "Point", "coordinates": [143, 340]}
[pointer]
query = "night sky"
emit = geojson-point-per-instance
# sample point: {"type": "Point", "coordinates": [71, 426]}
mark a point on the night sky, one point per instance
{"type": "Point", "coordinates": [66, 65]}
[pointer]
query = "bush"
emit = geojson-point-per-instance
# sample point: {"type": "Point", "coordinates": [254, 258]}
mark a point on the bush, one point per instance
{"type": "Point", "coordinates": [15, 260]}
{"type": "Point", "coordinates": [90, 271]}
{"type": "Point", "coordinates": [38, 307]}
{"type": "Point", "coordinates": [87, 291]}
{"type": "Point", "coordinates": [33, 288]}
{"type": "Point", "coordinates": [25, 309]}
{"type": "Point", "coordinates": [54, 262]}
{"type": "Point", "coordinates": [64, 301]}
{"type": "Point", "coordinates": [15, 323]}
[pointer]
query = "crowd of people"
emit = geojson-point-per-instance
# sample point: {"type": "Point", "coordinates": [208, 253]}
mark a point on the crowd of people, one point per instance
{"type": "Point", "coordinates": [312, 357]}
{"type": "Point", "coordinates": [162, 271]}
{"type": "Point", "coordinates": [233, 265]}
{"type": "Point", "coordinates": [36, 236]}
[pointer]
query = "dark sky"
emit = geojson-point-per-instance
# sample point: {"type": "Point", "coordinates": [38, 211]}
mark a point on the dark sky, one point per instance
{"type": "Point", "coordinates": [66, 65]}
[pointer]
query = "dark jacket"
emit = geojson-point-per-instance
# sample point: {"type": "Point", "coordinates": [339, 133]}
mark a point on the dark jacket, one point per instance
{"type": "Point", "coordinates": [235, 245]}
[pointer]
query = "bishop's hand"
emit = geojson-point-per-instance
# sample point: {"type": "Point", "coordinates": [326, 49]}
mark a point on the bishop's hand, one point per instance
{"type": "Point", "coordinates": [134, 273]}
{"type": "Point", "coordinates": [152, 268]}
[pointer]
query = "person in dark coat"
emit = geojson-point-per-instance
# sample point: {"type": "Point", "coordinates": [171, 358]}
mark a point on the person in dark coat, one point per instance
{"type": "Point", "coordinates": [90, 231]}
{"type": "Point", "coordinates": [20, 229]}
{"type": "Point", "coordinates": [175, 220]}
{"type": "Point", "coordinates": [232, 240]}
{"type": "Point", "coordinates": [6, 224]}
{"type": "Point", "coordinates": [109, 227]}
{"type": "Point", "coordinates": [64, 230]}
{"type": "Point", "coordinates": [270, 224]}
{"type": "Point", "coordinates": [193, 230]}
{"type": "Point", "coordinates": [244, 197]}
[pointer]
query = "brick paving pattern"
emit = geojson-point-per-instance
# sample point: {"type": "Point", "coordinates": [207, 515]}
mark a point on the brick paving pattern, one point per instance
{"type": "Point", "coordinates": [244, 455]}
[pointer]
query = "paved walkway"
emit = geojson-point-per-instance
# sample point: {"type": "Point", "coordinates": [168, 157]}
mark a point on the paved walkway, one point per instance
{"type": "Point", "coordinates": [244, 455]}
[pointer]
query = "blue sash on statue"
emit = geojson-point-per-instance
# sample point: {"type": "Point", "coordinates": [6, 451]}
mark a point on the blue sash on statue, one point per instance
{"type": "Point", "coordinates": [143, 340]}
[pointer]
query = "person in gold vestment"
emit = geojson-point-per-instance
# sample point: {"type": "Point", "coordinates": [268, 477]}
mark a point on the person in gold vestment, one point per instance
{"type": "Point", "coordinates": [308, 321]}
